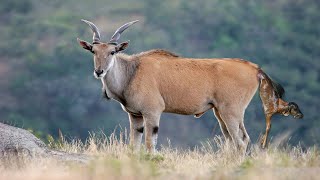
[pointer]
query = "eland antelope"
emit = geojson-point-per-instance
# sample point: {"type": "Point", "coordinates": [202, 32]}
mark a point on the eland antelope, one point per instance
{"type": "Point", "coordinates": [156, 81]}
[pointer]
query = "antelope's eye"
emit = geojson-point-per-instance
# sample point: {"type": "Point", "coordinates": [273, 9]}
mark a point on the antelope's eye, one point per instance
{"type": "Point", "coordinates": [112, 52]}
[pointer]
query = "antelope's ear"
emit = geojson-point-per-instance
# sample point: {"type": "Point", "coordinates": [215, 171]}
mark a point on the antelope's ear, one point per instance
{"type": "Point", "coordinates": [85, 45]}
{"type": "Point", "coordinates": [122, 46]}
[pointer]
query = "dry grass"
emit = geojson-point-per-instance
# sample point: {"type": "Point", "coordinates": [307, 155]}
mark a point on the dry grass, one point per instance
{"type": "Point", "coordinates": [113, 159]}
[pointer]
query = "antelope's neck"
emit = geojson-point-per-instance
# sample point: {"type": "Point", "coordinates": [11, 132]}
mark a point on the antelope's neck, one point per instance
{"type": "Point", "coordinates": [118, 78]}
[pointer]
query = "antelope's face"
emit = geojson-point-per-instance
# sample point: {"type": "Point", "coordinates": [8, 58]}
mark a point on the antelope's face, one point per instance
{"type": "Point", "coordinates": [104, 54]}
{"type": "Point", "coordinates": [102, 59]}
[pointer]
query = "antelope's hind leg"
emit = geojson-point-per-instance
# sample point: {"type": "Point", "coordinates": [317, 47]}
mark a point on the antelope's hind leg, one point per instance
{"type": "Point", "coordinates": [223, 126]}
{"type": "Point", "coordinates": [233, 118]}
{"type": "Point", "coordinates": [136, 130]}
{"type": "Point", "coordinates": [244, 135]}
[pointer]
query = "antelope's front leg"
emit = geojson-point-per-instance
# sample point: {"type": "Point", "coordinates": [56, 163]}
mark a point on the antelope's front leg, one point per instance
{"type": "Point", "coordinates": [136, 130]}
{"type": "Point", "coordinates": [151, 131]}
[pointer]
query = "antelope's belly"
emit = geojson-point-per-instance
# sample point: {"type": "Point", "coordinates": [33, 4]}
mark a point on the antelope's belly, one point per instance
{"type": "Point", "coordinates": [197, 109]}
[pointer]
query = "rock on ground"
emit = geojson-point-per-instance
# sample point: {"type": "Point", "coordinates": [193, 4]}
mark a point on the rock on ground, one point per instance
{"type": "Point", "coordinates": [17, 143]}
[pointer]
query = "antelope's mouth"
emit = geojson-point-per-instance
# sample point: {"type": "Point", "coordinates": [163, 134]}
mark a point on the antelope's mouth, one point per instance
{"type": "Point", "coordinates": [99, 76]}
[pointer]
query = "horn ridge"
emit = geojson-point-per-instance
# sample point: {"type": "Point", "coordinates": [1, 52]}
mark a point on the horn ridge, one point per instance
{"type": "Point", "coordinates": [95, 30]}
{"type": "Point", "coordinates": [116, 36]}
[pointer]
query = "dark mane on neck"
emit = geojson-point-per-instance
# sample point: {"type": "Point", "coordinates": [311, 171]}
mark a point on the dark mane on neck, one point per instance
{"type": "Point", "coordinates": [160, 52]}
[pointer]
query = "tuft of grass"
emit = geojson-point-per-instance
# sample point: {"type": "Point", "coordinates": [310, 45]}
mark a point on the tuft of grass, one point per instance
{"type": "Point", "coordinates": [214, 159]}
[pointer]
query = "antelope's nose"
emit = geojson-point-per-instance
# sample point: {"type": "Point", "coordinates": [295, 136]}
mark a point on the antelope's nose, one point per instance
{"type": "Point", "coordinates": [98, 72]}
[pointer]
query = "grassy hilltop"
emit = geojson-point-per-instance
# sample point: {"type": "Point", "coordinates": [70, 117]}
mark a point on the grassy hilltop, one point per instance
{"type": "Point", "coordinates": [113, 159]}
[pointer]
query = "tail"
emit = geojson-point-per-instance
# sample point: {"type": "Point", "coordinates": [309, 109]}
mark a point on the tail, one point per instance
{"type": "Point", "coordinates": [271, 85]}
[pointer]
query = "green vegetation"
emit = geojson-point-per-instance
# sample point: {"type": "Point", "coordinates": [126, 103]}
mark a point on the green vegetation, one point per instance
{"type": "Point", "coordinates": [47, 82]}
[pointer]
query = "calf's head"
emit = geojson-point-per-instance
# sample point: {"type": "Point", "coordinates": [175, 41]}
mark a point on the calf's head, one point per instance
{"type": "Point", "coordinates": [294, 110]}
{"type": "Point", "coordinates": [104, 53]}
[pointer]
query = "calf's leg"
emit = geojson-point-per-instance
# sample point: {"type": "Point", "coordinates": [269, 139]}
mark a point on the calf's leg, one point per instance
{"type": "Point", "coordinates": [268, 127]}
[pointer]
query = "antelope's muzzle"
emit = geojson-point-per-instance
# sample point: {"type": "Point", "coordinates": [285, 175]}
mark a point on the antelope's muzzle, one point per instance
{"type": "Point", "coordinates": [98, 72]}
